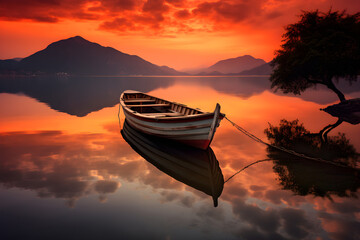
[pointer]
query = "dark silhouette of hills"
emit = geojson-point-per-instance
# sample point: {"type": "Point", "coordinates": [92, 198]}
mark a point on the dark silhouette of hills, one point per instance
{"type": "Point", "coordinates": [9, 65]}
{"type": "Point", "coordinates": [77, 55]}
{"type": "Point", "coordinates": [214, 73]}
{"type": "Point", "coordinates": [17, 59]}
{"type": "Point", "coordinates": [264, 69]}
{"type": "Point", "coordinates": [234, 65]}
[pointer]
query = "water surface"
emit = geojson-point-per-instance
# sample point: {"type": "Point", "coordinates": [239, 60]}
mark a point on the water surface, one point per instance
{"type": "Point", "coordinates": [67, 172]}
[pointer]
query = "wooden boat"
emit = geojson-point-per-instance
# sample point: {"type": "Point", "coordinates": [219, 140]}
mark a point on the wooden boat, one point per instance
{"type": "Point", "coordinates": [196, 168]}
{"type": "Point", "coordinates": [170, 120]}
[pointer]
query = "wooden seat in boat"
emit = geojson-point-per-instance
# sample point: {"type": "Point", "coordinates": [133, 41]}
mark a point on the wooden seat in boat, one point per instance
{"type": "Point", "coordinates": [171, 114]}
{"type": "Point", "coordinates": [140, 101]}
{"type": "Point", "coordinates": [150, 105]}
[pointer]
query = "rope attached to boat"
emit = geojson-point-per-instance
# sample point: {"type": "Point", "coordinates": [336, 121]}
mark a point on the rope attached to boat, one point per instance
{"type": "Point", "coordinates": [253, 137]}
{"type": "Point", "coordinates": [259, 161]}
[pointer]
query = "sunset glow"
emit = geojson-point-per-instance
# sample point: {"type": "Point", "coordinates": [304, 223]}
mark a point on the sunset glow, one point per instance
{"type": "Point", "coordinates": [182, 34]}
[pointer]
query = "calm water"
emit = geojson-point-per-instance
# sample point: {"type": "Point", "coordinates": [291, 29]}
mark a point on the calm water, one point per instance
{"type": "Point", "coordinates": [66, 171]}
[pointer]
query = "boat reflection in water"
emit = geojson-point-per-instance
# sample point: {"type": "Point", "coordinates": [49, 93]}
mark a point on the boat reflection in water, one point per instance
{"type": "Point", "coordinates": [196, 168]}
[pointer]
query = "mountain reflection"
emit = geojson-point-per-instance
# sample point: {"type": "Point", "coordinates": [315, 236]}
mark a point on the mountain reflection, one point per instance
{"type": "Point", "coordinates": [305, 177]}
{"type": "Point", "coordinates": [196, 168]}
{"type": "Point", "coordinates": [79, 96]}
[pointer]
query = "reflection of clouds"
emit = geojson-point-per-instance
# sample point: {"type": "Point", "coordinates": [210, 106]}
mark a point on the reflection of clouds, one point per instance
{"type": "Point", "coordinates": [170, 196]}
{"type": "Point", "coordinates": [106, 186]}
{"type": "Point", "coordinates": [280, 196]}
{"type": "Point", "coordinates": [266, 220]}
{"type": "Point", "coordinates": [234, 191]}
{"type": "Point", "coordinates": [349, 207]}
{"type": "Point", "coordinates": [157, 179]}
{"type": "Point", "coordinates": [54, 164]}
{"type": "Point", "coordinates": [264, 211]}
{"type": "Point", "coordinates": [339, 227]}
{"type": "Point", "coordinates": [207, 213]}
{"type": "Point", "coordinates": [254, 234]}
{"type": "Point", "coordinates": [274, 223]}
{"type": "Point", "coordinates": [295, 223]}
{"type": "Point", "coordinates": [127, 170]}
{"type": "Point", "coordinates": [346, 206]}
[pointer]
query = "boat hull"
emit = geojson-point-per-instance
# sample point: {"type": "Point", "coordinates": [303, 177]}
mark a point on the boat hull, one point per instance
{"type": "Point", "coordinates": [196, 130]}
{"type": "Point", "coordinates": [196, 133]}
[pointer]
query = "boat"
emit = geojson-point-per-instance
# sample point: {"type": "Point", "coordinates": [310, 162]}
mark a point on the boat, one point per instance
{"type": "Point", "coordinates": [194, 167]}
{"type": "Point", "coordinates": [171, 120]}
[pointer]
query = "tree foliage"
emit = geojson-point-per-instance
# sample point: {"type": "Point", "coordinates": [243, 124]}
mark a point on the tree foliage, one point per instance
{"type": "Point", "coordinates": [320, 48]}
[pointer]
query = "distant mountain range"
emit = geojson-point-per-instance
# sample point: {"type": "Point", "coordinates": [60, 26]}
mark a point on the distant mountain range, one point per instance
{"type": "Point", "coordinates": [264, 69]}
{"type": "Point", "coordinates": [242, 65]}
{"type": "Point", "coordinates": [77, 55]}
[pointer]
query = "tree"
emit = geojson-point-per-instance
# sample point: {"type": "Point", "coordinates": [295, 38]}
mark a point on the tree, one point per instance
{"type": "Point", "coordinates": [319, 49]}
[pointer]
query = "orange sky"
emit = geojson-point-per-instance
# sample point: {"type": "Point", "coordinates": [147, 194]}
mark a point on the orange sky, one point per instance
{"type": "Point", "coordinates": [177, 33]}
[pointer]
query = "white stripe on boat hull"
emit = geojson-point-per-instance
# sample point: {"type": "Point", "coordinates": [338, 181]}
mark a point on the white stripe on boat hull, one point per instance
{"type": "Point", "coordinates": [203, 127]}
{"type": "Point", "coordinates": [198, 134]}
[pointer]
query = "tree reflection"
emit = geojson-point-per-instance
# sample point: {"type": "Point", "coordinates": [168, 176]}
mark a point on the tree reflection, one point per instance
{"type": "Point", "coordinates": [308, 177]}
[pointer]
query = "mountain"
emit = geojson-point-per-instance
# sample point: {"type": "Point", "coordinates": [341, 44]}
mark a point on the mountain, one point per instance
{"type": "Point", "coordinates": [77, 55]}
{"type": "Point", "coordinates": [8, 66]}
{"type": "Point", "coordinates": [264, 69]}
{"type": "Point", "coordinates": [235, 65]}
{"type": "Point", "coordinates": [17, 59]}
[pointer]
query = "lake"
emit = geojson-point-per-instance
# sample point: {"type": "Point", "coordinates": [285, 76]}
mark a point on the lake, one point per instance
{"type": "Point", "coordinates": [66, 171]}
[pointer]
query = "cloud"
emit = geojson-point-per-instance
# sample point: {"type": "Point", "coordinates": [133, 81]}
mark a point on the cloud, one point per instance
{"type": "Point", "coordinates": [183, 14]}
{"type": "Point", "coordinates": [177, 3]}
{"type": "Point", "coordinates": [41, 11]}
{"type": "Point", "coordinates": [117, 5]}
{"type": "Point", "coordinates": [155, 6]}
{"type": "Point", "coordinates": [119, 23]}
{"type": "Point", "coordinates": [235, 11]}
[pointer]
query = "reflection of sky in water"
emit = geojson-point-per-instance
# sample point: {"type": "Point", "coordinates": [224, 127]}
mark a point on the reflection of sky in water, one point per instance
{"type": "Point", "coordinates": [49, 158]}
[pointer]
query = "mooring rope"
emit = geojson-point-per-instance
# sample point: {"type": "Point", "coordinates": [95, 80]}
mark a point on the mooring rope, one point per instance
{"type": "Point", "coordinates": [252, 136]}
{"type": "Point", "coordinates": [263, 160]}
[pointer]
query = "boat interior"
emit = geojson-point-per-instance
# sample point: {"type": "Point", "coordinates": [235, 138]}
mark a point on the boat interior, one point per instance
{"type": "Point", "coordinates": [152, 106]}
